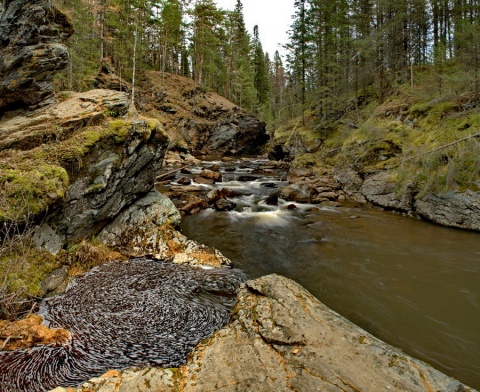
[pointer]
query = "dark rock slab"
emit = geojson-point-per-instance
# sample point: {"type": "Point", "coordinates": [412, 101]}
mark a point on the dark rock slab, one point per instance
{"type": "Point", "coordinates": [31, 52]}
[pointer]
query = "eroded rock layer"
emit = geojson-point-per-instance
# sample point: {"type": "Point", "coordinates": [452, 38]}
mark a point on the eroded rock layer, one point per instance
{"type": "Point", "coordinates": [31, 35]}
{"type": "Point", "coordinates": [124, 314]}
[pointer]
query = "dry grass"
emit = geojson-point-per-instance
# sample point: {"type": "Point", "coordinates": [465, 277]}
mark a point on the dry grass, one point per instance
{"type": "Point", "coordinates": [89, 254]}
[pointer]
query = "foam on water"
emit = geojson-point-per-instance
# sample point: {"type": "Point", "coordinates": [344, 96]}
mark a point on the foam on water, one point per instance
{"type": "Point", "coordinates": [122, 314]}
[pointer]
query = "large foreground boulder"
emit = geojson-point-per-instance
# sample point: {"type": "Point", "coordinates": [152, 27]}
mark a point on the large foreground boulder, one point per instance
{"type": "Point", "coordinates": [281, 338]}
{"type": "Point", "coordinates": [31, 36]}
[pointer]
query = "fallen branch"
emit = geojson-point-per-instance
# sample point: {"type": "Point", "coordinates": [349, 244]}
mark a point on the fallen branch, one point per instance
{"type": "Point", "coordinates": [171, 172]}
{"type": "Point", "coordinates": [5, 343]}
{"type": "Point", "coordinates": [440, 148]}
{"type": "Point", "coordinates": [10, 337]}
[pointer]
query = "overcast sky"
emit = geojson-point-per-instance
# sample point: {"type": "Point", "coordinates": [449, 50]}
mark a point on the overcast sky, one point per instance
{"type": "Point", "coordinates": [273, 18]}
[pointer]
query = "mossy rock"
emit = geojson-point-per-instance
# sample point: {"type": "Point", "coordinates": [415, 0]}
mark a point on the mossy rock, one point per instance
{"type": "Point", "coordinates": [30, 189]}
{"type": "Point", "coordinates": [24, 267]}
{"type": "Point", "coordinates": [33, 181]}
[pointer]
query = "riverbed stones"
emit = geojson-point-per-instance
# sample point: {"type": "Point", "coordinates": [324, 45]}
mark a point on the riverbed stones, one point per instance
{"type": "Point", "coordinates": [302, 193]}
{"type": "Point", "coordinates": [214, 175]}
{"type": "Point", "coordinates": [224, 205]}
{"type": "Point", "coordinates": [281, 338]}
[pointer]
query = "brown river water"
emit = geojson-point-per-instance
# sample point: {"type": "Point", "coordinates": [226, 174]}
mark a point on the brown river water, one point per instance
{"type": "Point", "coordinates": [413, 284]}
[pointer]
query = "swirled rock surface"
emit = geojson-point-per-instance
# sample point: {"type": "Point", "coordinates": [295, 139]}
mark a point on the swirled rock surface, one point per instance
{"type": "Point", "coordinates": [124, 314]}
{"type": "Point", "coordinates": [281, 338]}
{"type": "Point", "coordinates": [31, 35]}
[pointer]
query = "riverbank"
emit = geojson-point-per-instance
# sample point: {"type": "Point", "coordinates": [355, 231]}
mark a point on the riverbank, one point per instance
{"type": "Point", "coordinates": [281, 338]}
{"type": "Point", "coordinates": [415, 152]}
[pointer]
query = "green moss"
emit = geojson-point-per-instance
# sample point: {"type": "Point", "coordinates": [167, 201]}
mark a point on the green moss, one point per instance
{"type": "Point", "coordinates": [119, 128]}
{"type": "Point", "coordinates": [402, 136]}
{"type": "Point", "coordinates": [30, 189]}
{"type": "Point", "coordinates": [24, 267]}
{"type": "Point", "coordinates": [305, 160]}
{"type": "Point", "coordinates": [31, 181]}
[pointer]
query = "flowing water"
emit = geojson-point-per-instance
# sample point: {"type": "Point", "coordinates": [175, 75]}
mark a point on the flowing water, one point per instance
{"type": "Point", "coordinates": [413, 284]}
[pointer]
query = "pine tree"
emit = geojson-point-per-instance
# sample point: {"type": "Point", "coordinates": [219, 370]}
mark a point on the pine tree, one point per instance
{"type": "Point", "coordinates": [205, 40]}
{"type": "Point", "coordinates": [261, 74]}
{"type": "Point", "coordinates": [241, 89]}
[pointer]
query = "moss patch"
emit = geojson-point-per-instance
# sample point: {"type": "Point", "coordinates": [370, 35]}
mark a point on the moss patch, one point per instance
{"type": "Point", "coordinates": [32, 181]}
{"type": "Point", "coordinates": [30, 188]}
{"type": "Point", "coordinates": [24, 267]}
{"type": "Point", "coordinates": [405, 135]}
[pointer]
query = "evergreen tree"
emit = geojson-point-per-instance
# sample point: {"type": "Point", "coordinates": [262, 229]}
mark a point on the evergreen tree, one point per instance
{"type": "Point", "coordinates": [205, 40]}
{"type": "Point", "coordinates": [241, 73]}
{"type": "Point", "coordinates": [261, 74]}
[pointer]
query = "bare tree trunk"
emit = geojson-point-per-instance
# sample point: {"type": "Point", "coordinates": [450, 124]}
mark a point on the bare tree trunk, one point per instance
{"type": "Point", "coordinates": [134, 65]}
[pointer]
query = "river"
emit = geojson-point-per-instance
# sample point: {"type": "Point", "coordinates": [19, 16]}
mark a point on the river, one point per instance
{"type": "Point", "coordinates": [413, 284]}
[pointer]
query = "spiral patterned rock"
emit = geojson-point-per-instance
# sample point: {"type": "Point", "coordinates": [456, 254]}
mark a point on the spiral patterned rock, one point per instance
{"type": "Point", "coordinates": [123, 314]}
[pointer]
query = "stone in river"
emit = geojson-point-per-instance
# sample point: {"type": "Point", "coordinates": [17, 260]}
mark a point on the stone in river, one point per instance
{"type": "Point", "coordinates": [224, 205]}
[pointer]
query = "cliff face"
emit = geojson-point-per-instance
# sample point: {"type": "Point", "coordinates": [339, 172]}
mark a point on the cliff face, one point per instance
{"type": "Point", "coordinates": [31, 36]}
{"type": "Point", "coordinates": [201, 121]}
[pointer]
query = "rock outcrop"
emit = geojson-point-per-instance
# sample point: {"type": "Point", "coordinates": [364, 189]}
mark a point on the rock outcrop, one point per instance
{"type": "Point", "coordinates": [31, 36]}
{"type": "Point", "coordinates": [281, 338]}
{"type": "Point", "coordinates": [91, 162]}
{"type": "Point", "coordinates": [200, 121]}
{"type": "Point", "coordinates": [59, 122]}
{"type": "Point", "coordinates": [147, 227]}
{"type": "Point", "coordinates": [453, 208]}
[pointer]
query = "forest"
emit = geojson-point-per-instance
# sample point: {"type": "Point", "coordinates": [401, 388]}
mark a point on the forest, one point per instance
{"type": "Point", "coordinates": [340, 52]}
{"type": "Point", "coordinates": [165, 122]}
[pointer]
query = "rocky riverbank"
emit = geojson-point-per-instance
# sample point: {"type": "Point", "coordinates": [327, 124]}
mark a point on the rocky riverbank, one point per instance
{"type": "Point", "coordinates": [280, 338]}
{"type": "Point", "coordinates": [77, 180]}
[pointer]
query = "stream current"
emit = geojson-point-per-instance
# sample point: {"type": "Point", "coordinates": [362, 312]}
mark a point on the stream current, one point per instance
{"type": "Point", "coordinates": [413, 284]}
{"type": "Point", "coordinates": [124, 314]}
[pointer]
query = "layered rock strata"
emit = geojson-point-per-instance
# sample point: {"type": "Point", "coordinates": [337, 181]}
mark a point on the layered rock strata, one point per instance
{"type": "Point", "coordinates": [31, 36]}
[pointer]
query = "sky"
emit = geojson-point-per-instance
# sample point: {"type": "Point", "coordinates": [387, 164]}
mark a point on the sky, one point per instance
{"type": "Point", "coordinates": [273, 18]}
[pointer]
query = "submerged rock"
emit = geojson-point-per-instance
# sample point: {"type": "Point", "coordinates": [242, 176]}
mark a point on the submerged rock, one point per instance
{"type": "Point", "coordinates": [281, 338]}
